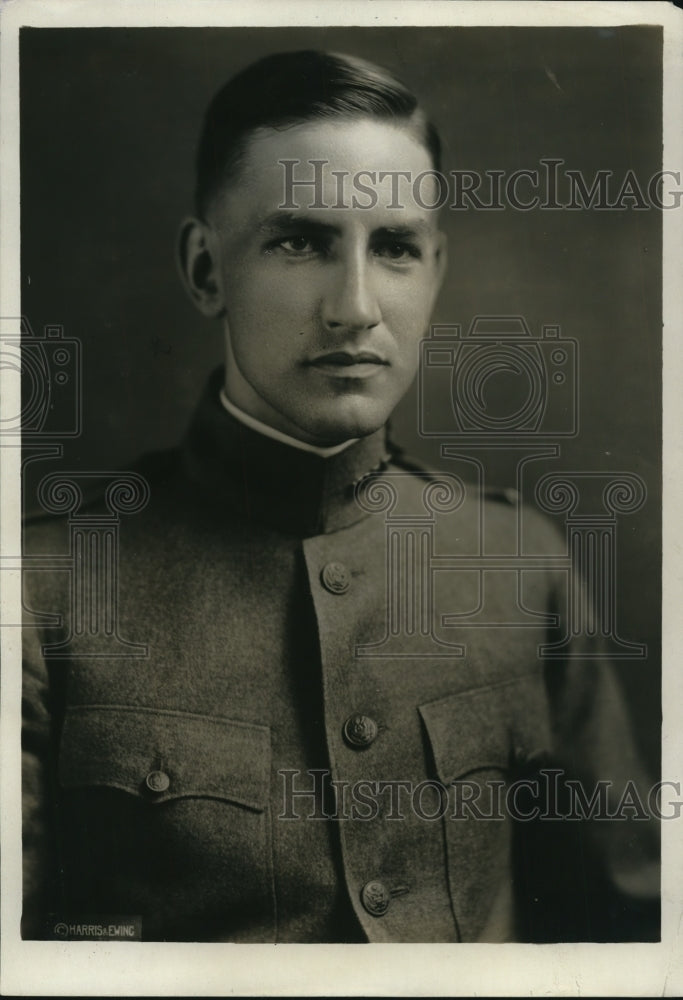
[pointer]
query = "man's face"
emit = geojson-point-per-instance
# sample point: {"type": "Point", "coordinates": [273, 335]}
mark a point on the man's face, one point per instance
{"type": "Point", "coordinates": [325, 307]}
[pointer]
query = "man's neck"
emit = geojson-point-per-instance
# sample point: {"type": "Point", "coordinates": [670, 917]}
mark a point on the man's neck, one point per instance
{"type": "Point", "coordinates": [271, 432]}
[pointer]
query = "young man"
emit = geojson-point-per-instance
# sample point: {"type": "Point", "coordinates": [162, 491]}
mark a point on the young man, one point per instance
{"type": "Point", "coordinates": [311, 751]}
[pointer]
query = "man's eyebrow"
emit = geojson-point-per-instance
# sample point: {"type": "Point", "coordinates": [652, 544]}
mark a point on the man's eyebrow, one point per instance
{"type": "Point", "coordinates": [418, 227]}
{"type": "Point", "coordinates": [284, 222]}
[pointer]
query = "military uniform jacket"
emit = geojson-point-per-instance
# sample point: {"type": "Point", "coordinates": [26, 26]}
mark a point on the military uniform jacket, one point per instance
{"type": "Point", "coordinates": [301, 679]}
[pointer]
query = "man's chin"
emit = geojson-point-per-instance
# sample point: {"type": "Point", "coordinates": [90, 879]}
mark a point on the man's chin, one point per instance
{"type": "Point", "coordinates": [333, 429]}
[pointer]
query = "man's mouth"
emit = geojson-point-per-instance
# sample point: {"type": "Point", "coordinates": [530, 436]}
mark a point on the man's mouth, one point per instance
{"type": "Point", "coordinates": [349, 364]}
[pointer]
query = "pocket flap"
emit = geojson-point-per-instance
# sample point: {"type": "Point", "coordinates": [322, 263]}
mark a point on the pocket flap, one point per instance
{"type": "Point", "coordinates": [487, 727]}
{"type": "Point", "coordinates": [161, 755]}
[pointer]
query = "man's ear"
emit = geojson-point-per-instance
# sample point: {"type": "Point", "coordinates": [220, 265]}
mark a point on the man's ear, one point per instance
{"type": "Point", "coordinates": [198, 263]}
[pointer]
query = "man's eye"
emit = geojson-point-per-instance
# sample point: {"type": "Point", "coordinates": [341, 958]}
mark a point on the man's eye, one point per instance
{"type": "Point", "coordinates": [301, 246]}
{"type": "Point", "coordinates": [399, 251]}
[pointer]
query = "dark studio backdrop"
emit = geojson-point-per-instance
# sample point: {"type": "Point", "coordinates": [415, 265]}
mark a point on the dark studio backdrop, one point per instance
{"type": "Point", "coordinates": [109, 124]}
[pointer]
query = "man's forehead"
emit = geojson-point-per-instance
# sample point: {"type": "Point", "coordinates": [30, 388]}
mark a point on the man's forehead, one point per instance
{"type": "Point", "coordinates": [361, 143]}
{"type": "Point", "coordinates": [337, 173]}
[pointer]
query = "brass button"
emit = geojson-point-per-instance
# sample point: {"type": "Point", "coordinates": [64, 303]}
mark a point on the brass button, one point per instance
{"type": "Point", "coordinates": [157, 781]}
{"type": "Point", "coordinates": [335, 577]}
{"type": "Point", "coordinates": [375, 897]}
{"type": "Point", "coordinates": [360, 731]}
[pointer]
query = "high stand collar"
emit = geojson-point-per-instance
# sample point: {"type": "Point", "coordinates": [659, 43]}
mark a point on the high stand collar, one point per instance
{"type": "Point", "coordinates": [265, 480]}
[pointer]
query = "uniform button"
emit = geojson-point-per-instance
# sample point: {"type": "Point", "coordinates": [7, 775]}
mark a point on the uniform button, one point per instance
{"type": "Point", "coordinates": [336, 578]}
{"type": "Point", "coordinates": [360, 731]}
{"type": "Point", "coordinates": [157, 781]}
{"type": "Point", "coordinates": [375, 897]}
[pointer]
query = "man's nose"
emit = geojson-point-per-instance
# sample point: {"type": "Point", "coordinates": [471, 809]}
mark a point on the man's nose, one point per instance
{"type": "Point", "coordinates": [350, 302]}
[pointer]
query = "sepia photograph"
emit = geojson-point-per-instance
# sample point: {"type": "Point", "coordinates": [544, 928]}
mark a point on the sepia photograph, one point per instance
{"type": "Point", "coordinates": [336, 434]}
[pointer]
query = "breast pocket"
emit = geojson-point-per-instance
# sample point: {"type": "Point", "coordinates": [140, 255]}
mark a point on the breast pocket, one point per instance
{"type": "Point", "coordinates": [165, 816]}
{"type": "Point", "coordinates": [477, 739]}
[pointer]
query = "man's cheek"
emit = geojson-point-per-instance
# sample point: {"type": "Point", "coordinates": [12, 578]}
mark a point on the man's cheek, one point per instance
{"type": "Point", "coordinates": [258, 311]}
{"type": "Point", "coordinates": [276, 294]}
{"type": "Point", "coordinates": [410, 299]}
{"type": "Point", "coordinates": [408, 324]}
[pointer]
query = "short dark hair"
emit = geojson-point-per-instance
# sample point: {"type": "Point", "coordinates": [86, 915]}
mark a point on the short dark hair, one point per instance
{"type": "Point", "coordinates": [289, 88]}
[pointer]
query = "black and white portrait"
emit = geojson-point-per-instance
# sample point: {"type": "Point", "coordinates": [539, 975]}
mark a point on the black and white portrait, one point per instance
{"type": "Point", "coordinates": [340, 354]}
